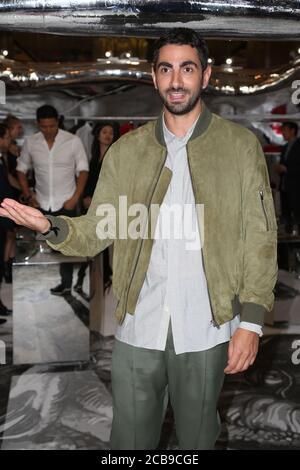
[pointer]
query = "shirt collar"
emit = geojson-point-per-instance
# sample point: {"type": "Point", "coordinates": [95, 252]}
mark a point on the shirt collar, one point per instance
{"type": "Point", "coordinates": [169, 136]}
{"type": "Point", "coordinates": [58, 135]}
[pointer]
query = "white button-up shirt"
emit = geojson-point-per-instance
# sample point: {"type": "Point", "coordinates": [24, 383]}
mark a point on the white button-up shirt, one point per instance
{"type": "Point", "coordinates": [56, 169]}
{"type": "Point", "coordinates": [175, 287]}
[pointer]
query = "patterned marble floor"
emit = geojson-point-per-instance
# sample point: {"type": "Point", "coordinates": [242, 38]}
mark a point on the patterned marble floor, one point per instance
{"type": "Point", "coordinates": [59, 407]}
{"type": "Point", "coordinates": [69, 405]}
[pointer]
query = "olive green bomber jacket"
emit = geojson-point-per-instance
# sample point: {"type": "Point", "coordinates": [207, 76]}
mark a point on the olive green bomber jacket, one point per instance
{"type": "Point", "coordinates": [229, 176]}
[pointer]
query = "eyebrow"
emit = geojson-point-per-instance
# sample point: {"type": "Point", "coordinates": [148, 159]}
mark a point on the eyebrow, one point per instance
{"type": "Point", "coordinates": [183, 64]}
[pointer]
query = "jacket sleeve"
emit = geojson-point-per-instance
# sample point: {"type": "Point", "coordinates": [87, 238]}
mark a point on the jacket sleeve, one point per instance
{"type": "Point", "coordinates": [259, 234]}
{"type": "Point", "coordinates": [91, 233]}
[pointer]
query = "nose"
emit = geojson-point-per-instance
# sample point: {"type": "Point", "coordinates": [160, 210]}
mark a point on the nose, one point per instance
{"type": "Point", "coordinates": [176, 79]}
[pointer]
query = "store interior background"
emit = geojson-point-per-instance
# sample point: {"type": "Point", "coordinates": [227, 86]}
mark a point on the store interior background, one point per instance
{"type": "Point", "coordinates": [59, 397]}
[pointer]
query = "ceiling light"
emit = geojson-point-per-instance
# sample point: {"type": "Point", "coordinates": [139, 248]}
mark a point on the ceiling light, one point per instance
{"type": "Point", "coordinates": [5, 52]}
{"type": "Point", "coordinates": [108, 54]}
{"type": "Point", "coordinates": [229, 61]}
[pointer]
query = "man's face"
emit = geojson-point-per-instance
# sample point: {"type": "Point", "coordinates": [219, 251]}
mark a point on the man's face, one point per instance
{"type": "Point", "coordinates": [288, 133]}
{"type": "Point", "coordinates": [5, 141]}
{"type": "Point", "coordinates": [179, 78]}
{"type": "Point", "coordinates": [48, 127]}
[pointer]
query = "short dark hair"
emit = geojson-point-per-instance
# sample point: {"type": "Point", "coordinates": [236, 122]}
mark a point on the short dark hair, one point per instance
{"type": "Point", "coordinates": [291, 125]}
{"type": "Point", "coordinates": [46, 112]}
{"type": "Point", "coordinates": [3, 130]}
{"type": "Point", "coordinates": [182, 37]}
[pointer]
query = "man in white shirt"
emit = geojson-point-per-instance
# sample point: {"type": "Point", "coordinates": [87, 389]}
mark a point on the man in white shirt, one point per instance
{"type": "Point", "coordinates": [61, 168]}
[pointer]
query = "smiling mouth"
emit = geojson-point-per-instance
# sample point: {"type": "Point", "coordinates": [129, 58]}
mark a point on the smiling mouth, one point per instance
{"type": "Point", "coordinates": [176, 96]}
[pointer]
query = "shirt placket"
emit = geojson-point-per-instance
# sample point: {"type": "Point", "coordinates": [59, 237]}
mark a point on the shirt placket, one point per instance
{"type": "Point", "coordinates": [165, 314]}
{"type": "Point", "coordinates": [51, 202]}
{"type": "Point", "coordinates": [171, 294]}
{"type": "Point", "coordinates": [176, 262]}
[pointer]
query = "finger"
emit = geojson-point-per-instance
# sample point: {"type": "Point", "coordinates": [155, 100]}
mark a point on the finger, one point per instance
{"type": "Point", "coordinates": [20, 208]}
{"type": "Point", "coordinates": [32, 211]}
{"type": "Point", "coordinates": [237, 367]}
{"type": "Point", "coordinates": [237, 360]}
{"type": "Point", "coordinates": [234, 359]}
{"type": "Point", "coordinates": [242, 367]}
{"type": "Point", "coordinates": [16, 216]}
{"type": "Point", "coordinates": [12, 203]}
{"type": "Point", "coordinates": [11, 210]}
{"type": "Point", "coordinates": [5, 213]}
{"type": "Point", "coordinates": [253, 359]}
{"type": "Point", "coordinates": [243, 364]}
{"type": "Point", "coordinates": [246, 366]}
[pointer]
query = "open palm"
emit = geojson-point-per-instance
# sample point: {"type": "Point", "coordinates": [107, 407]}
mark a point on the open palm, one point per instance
{"type": "Point", "coordinates": [24, 215]}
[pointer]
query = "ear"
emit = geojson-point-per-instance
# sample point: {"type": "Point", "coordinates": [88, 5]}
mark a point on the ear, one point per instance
{"type": "Point", "coordinates": [154, 78]}
{"type": "Point", "coordinates": [206, 77]}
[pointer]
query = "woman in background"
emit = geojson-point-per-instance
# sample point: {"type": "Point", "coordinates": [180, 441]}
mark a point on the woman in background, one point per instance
{"type": "Point", "coordinates": [15, 130]}
{"type": "Point", "coordinates": [105, 134]}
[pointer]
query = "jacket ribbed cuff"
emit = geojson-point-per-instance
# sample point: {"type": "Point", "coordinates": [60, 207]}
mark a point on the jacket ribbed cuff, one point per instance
{"type": "Point", "coordinates": [59, 235]}
{"type": "Point", "coordinates": [253, 313]}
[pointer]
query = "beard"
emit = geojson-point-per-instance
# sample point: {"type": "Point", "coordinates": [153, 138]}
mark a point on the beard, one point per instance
{"type": "Point", "coordinates": [179, 109]}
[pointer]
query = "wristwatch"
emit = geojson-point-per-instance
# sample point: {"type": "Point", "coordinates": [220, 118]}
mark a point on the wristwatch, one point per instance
{"type": "Point", "coordinates": [52, 228]}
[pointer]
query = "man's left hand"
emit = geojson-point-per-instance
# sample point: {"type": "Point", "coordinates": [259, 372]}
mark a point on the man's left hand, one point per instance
{"type": "Point", "coordinates": [242, 351]}
{"type": "Point", "coordinates": [70, 204]}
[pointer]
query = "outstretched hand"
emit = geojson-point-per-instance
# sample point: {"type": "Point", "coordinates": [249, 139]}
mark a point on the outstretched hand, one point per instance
{"type": "Point", "coordinates": [24, 215]}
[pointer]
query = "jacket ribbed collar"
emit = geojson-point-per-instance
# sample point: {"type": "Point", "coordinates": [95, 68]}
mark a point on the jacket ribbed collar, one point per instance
{"type": "Point", "coordinates": [201, 126]}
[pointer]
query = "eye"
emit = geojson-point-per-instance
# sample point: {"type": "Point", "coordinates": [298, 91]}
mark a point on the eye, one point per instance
{"type": "Point", "coordinates": [164, 70]}
{"type": "Point", "coordinates": [188, 69]}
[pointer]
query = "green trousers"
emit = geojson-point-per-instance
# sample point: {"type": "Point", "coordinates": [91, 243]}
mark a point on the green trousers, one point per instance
{"type": "Point", "coordinates": [144, 379]}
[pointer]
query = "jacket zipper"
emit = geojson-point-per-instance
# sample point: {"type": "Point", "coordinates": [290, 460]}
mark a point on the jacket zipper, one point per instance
{"type": "Point", "coordinates": [138, 255]}
{"type": "Point", "coordinates": [213, 320]}
{"type": "Point", "coordinates": [261, 194]}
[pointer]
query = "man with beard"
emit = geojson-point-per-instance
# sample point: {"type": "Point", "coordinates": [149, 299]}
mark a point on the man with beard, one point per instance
{"type": "Point", "coordinates": [190, 302]}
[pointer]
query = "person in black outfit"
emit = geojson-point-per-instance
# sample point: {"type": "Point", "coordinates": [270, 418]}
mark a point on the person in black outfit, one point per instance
{"type": "Point", "coordinates": [289, 170]}
{"type": "Point", "coordinates": [105, 134]}
{"type": "Point", "coordinates": [15, 130]}
{"type": "Point", "coordinates": [5, 191]}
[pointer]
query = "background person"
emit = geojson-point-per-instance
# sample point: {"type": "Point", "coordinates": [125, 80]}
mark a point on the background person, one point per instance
{"type": "Point", "coordinates": [104, 135]}
{"type": "Point", "coordinates": [61, 170]}
{"type": "Point", "coordinates": [289, 169]}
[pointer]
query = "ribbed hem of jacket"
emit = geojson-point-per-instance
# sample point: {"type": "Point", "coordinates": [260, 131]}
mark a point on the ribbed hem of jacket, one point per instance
{"type": "Point", "coordinates": [253, 313]}
{"type": "Point", "coordinates": [61, 233]}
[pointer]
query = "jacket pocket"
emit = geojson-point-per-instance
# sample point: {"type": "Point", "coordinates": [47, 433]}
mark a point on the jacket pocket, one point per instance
{"type": "Point", "coordinates": [262, 200]}
{"type": "Point", "coordinates": [267, 208]}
